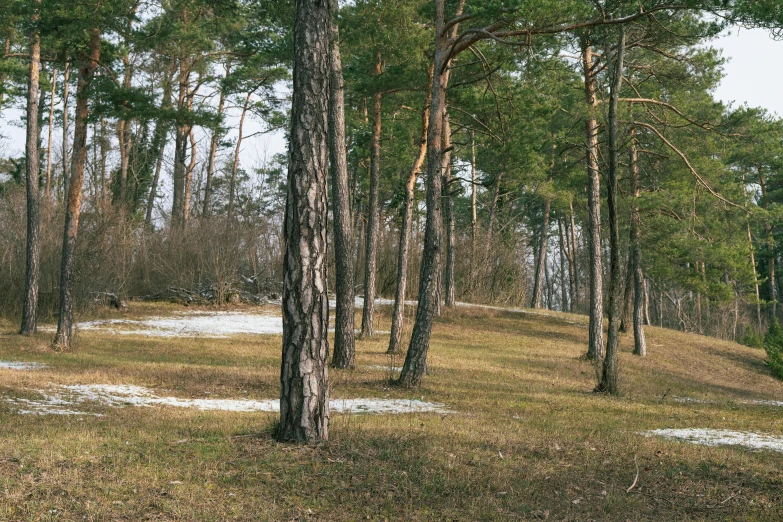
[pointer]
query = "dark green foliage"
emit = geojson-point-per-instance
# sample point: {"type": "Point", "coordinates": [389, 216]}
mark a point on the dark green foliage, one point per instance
{"type": "Point", "coordinates": [773, 344]}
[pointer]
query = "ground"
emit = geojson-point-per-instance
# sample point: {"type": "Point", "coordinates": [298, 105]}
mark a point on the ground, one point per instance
{"type": "Point", "coordinates": [525, 440]}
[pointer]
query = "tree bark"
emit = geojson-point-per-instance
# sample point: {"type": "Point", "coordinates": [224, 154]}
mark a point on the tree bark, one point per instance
{"type": "Point", "coordinates": [416, 359]}
{"type": "Point", "coordinates": [773, 297]}
{"type": "Point", "coordinates": [304, 394]}
{"type": "Point", "coordinates": [344, 343]}
{"type": "Point", "coordinates": [405, 231]}
{"type": "Point", "coordinates": [595, 348]}
{"type": "Point", "coordinates": [30, 307]}
{"type": "Point", "coordinates": [181, 148]}
{"type": "Point", "coordinates": [608, 381]}
{"type": "Point", "coordinates": [189, 177]}
{"type": "Point", "coordinates": [755, 277]}
{"type": "Point", "coordinates": [62, 340]}
{"type": "Point", "coordinates": [66, 161]}
{"type": "Point", "coordinates": [640, 343]}
{"type": "Point", "coordinates": [371, 241]}
{"type": "Point", "coordinates": [448, 274]}
{"type": "Point", "coordinates": [573, 272]}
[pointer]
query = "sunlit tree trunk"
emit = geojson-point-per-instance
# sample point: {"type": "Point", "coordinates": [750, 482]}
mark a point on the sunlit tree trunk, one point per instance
{"type": "Point", "coordinates": [639, 301]}
{"type": "Point", "coordinates": [395, 338]}
{"type": "Point", "coordinates": [87, 67]}
{"type": "Point", "coordinates": [29, 310]}
{"type": "Point", "coordinates": [48, 186]}
{"type": "Point", "coordinates": [595, 348]}
{"type": "Point", "coordinates": [66, 165]}
{"type": "Point", "coordinates": [608, 381]}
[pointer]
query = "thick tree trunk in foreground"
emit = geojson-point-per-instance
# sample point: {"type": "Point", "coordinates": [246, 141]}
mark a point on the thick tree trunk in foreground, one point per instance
{"type": "Point", "coordinates": [304, 391]}
{"type": "Point", "coordinates": [405, 232]}
{"type": "Point", "coordinates": [62, 340]}
{"type": "Point", "coordinates": [29, 310]}
{"type": "Point", "coordinates": [344, 342]}
{"type": "Point", "coordinates": [595, 348]}
{"type": "Point", "coordinates": [371, 241]}
{"type": "Point", "coordinates": [416, 359]}
{"type": "Point", "coordinates": [448, 215]}
{"type": "Point", "coordinates": [640, 343]}
{"type": "Point", "coordinates": [608, 382]}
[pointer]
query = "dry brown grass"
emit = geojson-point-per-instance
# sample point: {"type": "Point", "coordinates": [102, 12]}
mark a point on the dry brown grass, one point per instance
{"type": "Point", "coordinates": [528, 440]}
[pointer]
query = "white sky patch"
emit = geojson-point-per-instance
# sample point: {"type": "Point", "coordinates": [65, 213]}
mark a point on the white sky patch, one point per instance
{"type": "Point", "coordinates": [18, 365]}
{"type": "Point", "coordinates": [712, 437]}
{"type": "Point", "coordinates": [64, 399]}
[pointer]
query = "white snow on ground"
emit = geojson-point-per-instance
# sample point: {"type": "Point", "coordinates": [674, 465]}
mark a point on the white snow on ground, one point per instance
{"type": "Point", "coordinates": [192, 324]}
{"type": "Point", "coordinates": [17, 365]}
{"type": "Point", "coordinates": [61, 400]}
{"type": "Point", "coordinates": [778, 404]}
{"type": "Point", "coordinates": [711, 437]}
{"type": "Point", "coordinates": [386, 368]}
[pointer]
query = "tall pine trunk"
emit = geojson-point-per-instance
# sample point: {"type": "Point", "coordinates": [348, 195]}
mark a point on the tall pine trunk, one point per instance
{"type": "Point", "coordinates": [213, 148]}
{"type": "Point", "coordinates": [66, 159]}
{"type": "Point", "coordinates": [595, 348]}
{"type": "Point", "coordinates": [29, 311]}
{"type": "Point", "coordinates": [395, 338]}
{"type": "Point", "coordinates": [62, 340]}
{"type": "Point", "coordinates": [448, 215]}
{"type": "Point", "coordinates": [608, 382]}
{"type": "Point", "coordinates": [371, 241]}
{"type": "Point", "coordinates": [344, 342]}
{"type": "Point", "coordinates": [304, 393]}
{"type": "Point", "coordinates": [473, 214]}
{"type": "Point", "coordinates": [640, 343]}
{"type": "Point", "coordinates": [416, 359]}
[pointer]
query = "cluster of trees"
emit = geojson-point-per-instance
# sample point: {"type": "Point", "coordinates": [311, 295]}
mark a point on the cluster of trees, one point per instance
{"type": "Point", "coordinates": [567, 155]}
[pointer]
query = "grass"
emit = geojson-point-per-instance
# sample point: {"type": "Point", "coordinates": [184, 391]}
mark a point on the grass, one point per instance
{"type": "Point", "coordinates": [528, 440]}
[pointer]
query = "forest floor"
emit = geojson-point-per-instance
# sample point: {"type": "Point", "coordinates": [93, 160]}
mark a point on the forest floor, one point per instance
{"type": "Point", "coordinates": [523, 437]}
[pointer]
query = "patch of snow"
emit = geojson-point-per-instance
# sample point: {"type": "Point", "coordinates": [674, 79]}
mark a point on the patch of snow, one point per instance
{"type": "Point", "coordinates": [192, 324]}
{"type": "Point", "coordinates": [117, 396]}
{"type": "Point", "coordinates": [712, 437]}
{"type": "Point", "coordinates": [778, 404]}
{"type": "Point", "coordinates": [690, 400]}
{"type": "Point", "coordinates": [16, 365]}
{"type": "Point", "coordinates": [386, 368]}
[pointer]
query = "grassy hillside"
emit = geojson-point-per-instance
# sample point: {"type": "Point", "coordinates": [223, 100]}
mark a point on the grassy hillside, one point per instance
{"type": "Point", "coordinates": [527, 439]}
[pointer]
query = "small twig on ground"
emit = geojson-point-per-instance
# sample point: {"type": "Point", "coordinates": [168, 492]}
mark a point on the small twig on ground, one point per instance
{"type": "Point", "coordinates": [665, 394]}
{"type": "Point", "coordinates": [636, 478]}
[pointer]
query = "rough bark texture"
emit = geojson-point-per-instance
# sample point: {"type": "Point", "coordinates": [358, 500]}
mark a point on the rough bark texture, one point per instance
{"type": "Point", "coordinates": [416, 359]}
{"type": "Point", "coordinates": [180, 149]}
{"type": "Point", "coordinates": [344, 345]}
{"type": "Point", "coordinates": [640, 343]}
{"type": "Point", "coordinates": [371, 241]}
{"type": "Point", "coordinates": [395, 338]}
{"type": "Point", "coordinates": [608, 381]}
{"type": "Point", "coordinates": [64, 334]}
{"type": "Point", "coordinates": [29, 319]}
{"type": "Point", "coordinates": [448, 216]}
{"type": "Point", "coordinates": [304, 392]}
{"type": "Point", "coordinates": [595, 348]}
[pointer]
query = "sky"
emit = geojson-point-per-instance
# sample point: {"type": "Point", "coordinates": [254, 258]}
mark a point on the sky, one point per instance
{"type": "Point", "coordinates": [751, 76]}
